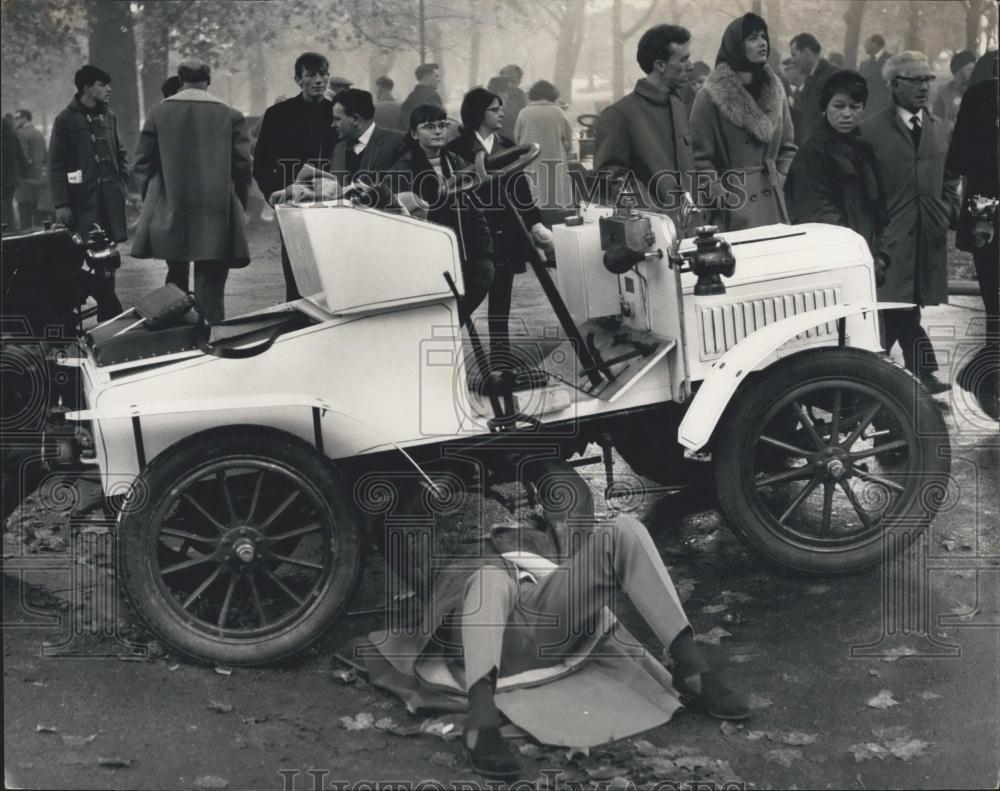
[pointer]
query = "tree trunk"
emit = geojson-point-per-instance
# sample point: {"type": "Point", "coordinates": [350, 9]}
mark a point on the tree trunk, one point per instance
{"type": "Point", "coordinates": [617, 52]}
{"type": "Point", "coordinates": [475, 46]}
{"type": "Point", "coordinates": [258, 85]}
{"type": "Point", "coordinates": [380, 63]}
{"type": "Point", "coordinates": [855, 12]}
{"type": "Point", "coordinates": [914, 31]}
{"type": "Point", "coordinates": [757, 7]}
{"type": "Point", "coordinates": [568, 47]}
{"type": "Point", "coordinates": [155, 56]}
{"type": "Point", "coordinates": [111, 43]}
{"type": "Point", "coordinates": [974, 12]}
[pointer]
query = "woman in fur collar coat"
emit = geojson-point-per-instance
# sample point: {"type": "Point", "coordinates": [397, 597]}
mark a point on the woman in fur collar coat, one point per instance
{"type": "Point", "coordinates": [741, 122]}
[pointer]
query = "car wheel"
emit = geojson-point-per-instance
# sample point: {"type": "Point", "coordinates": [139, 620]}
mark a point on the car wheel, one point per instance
{"type": "Point", "coordinates": [240, 546]}
{"type": "Point", "coordinates": [826, 454]}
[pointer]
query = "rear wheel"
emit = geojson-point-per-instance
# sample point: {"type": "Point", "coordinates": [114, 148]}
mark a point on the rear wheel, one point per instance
{"type": "Point", "coordinates": [240, 546]}
{"type": "Point", "coordinates": [824, 455]}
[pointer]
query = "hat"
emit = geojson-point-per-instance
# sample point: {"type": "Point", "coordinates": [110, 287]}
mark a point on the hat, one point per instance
{"type": "Point", "coordinates": [340, 82]}
{"type": "Point", "coordinates": [194, 70]}
{"type": "Point", "coordinates": [961, 60]}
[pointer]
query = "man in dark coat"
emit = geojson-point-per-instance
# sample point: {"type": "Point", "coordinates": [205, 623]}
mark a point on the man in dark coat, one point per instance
{"type": "Point", "coordinates": [646, 133]}
{"type": "Point", "coordinates": [910, 146]}
{"type": "Point", "coordinates": [879, 95]}
{"type": "Point", "coordinates": [386, 105]}
{"type": "Point", "coordinates": [13, 171]}
{"type": "Point", "coordinates": [364, 148]}
{"type": "Point", "coordinates": [295, 132]}
{"type": "Point", "coordinates": [193, 169]}
{"type": "Point", "coordinates": [805, 51]}
{"type": "Point", "coordinates": [36, 154]}
{"type": "Point", "coordinates": [424, 92]}
{"type": "Point", "coordinates": [515, 101]}
{"type": "Point", "coordinates": [88, 167]}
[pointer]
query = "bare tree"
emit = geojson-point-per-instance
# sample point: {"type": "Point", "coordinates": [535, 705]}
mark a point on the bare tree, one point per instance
{"type": "Point", "coordinates": [914, 27]}
{"type": "Point", "coordinates": [852, 17]}
{"type": "Point", "coordinates": [975, 13]}
{"type": "Point", "coordinates": [619, 36]}
{"type": "Point", "coordinates": [111, 40]}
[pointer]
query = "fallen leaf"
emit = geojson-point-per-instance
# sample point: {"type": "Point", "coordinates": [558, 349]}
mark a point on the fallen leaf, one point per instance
{"type": "Point", "coordinates": [948, 544]}
{"type": "Point", "coordinates": [906, 749]}
{"type": "Point", "coordinates": [601, 771]}
{"type": "Point", "coordinates": [731, 596]}
{"type": "Point", "coordinates": [756, 701]}
{"type": "Point", "coordinates": [874, 673]}
{"type": "Point", "coordinates": [883, 700]}
{"type": "Point", "coordinates": [929, 695]}
{"type": "Point", "coordinates": [740, 659]}
{"type": "Point", "coordinates": [867, 751]}
{"type": "Point", "coordinates": [348, 676]}
{"type": "Point", "coordinates": [785, 756]}
{"type": "Point", "coordinates": [529, 749]}
{"type": "Point", "coordinates": [443, 727]}
{"type": "Point", "coordinates": [359, 722]}
{"type": "Point", "coordinates": [619, 783]}
{"type": "Point", "coordinates": [645, 748]}
{"type": "Point", "coordinates": [78, 741]}
{"type": "Point", "coordinates": [817, 590]}
{"type": "Point", "coordinates": [174, 667]}
{"type": "Point", "coordinates": [254, 720]}
{"type": "Point", "coordinates": [223, 671]}
{"type": "Point", "coordinates": [115, 763]}
{"type": "Point", "coordinates": [46, 729]}
{"type": "Point", "coordinates": [756, 736]}
{"type": "Point", "coordinates": [444, 759]}
{"type": "Point", "coordinates": [712, 636]}
{"type": "Point", "coordinates": [692, 762]}
{"type": "Point", "coordinates": [728, 729]}
{"type": "Point", "coordinates": [799, 738]}
{"type": "Point", "coordinates": [711, 609]}
{"type": "Point", "coordinates": [210, 782]}
{"type": "Point", "coordinates": [895, 653]}
{"type": "Point", "coordinates": [222, 708]}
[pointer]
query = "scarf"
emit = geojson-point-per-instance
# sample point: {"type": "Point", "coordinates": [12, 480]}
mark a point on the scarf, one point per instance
{"type": "Point", "coordinates": [732, 51]}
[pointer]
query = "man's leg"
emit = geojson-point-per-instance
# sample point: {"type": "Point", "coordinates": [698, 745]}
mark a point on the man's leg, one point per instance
{"type": "Point", "coordinates": [178, 273]}
{"type": "Point", "coordinates": [27, 210]}
{"type": "Point", "coordinates": [210, 288]}
{"type": "Point", "coordinates": [499, 317]}
{"type": "Point", "coordinates": [477, 277]}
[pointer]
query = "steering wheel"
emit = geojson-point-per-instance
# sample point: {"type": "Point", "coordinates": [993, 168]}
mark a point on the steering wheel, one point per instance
{"type": "Point", "coordinates": [587, 120]}
{"type": "Point", "coordinates": [498, 167]}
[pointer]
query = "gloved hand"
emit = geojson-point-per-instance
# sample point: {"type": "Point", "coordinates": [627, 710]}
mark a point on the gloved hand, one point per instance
{"type": "Point", "coordinates": [65, 215]}
{"type": "Point", "coordinates": [541, 235]}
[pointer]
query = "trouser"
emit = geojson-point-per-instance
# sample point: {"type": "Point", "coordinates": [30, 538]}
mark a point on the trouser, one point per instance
{"type": "Point", "coordinates": [210, 288]}
{"type": "Point", "coordinates": [988, 275]}
{"type": "Point", "coordinates": [903, 326]}
{"type": "Point", "coordinates": [502, 618]}
{"type": "Point", "coordinates": [28, 214]}
{"type": "Point", "coordinates": [477, 277]}
{"type": "Point", "coordinates": [291, 290]}
{"type": "Point", "coordinates": [499, 316]}
{"type": "Point", "coordinates": [178, 274]}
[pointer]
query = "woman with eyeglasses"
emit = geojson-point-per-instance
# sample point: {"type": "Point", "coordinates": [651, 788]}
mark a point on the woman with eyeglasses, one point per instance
{"type": "Point", "coordinates": [424, 169]}
{"type": "Point", "coordinates": [482, 116]}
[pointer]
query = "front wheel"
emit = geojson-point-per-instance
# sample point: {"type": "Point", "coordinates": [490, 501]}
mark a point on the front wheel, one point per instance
{"type": "Point", "coordinates": [828, 452]}
{"type": "Point", "coordinates": [240, 546]}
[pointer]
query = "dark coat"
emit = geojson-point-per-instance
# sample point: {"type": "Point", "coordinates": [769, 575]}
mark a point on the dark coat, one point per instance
{"type": "Point", "coordinates": [808, 101]}
{"type": "Point", "coordinates": [508, 240]}
{"type": "Point", "coordinates": [647, 133]}
{"type": "Point", "coordinates": [73, 148]}
{"type": "Point", "coordinates": [734, 132]}
{"type": "Point", "coordinates": [387, 114]}
{"type": "Point", "coordinates": [384, 148]}
{"type": "Point", "coordinates": [36, 155]}
{"type": "Point", "coordinates": [413, 172]}
{"type": "Point", "coordinates": [193, 170]}
{"type": "Point", "coordinates": [973, 151]}
{"type": "Point", "coordinates": [516, 101]}
{"type": "Point", "coordinates": [837, 181]}
{"type": "Point", "coordinates": [922, 201]}
{"type": "Point", "coordinates": [292, 133]}
{"type": "Point", "coordinates": [879, 93]}
{"type": "Point", "coordinates": [421, 94]}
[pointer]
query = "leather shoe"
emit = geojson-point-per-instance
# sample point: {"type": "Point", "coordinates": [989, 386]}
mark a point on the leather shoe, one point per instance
{"type": "Point", "coordinates": [491, 757]}
{"type": "Point", "coordinates": [933, 385]}
{"type": "Point", "coordinates": [715, 698]}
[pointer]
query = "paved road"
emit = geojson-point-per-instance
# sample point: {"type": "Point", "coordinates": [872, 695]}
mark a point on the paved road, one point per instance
{"type": "Point", "coordinates": [812, 654]}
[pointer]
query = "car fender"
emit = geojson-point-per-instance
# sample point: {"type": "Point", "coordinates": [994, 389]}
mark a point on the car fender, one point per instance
{"type": "Point", "coordinates": [728, 373]}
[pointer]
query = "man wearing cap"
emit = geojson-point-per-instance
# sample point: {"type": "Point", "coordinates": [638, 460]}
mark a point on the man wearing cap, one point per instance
{"type": "Point", "coordinates": [295, 132]}
{"type": "Point", "coordinates": [949, 98]}
{"type": "Point", "coordinates": [193, 171]}
{"type": "Point", "coordinates": [337, 86]}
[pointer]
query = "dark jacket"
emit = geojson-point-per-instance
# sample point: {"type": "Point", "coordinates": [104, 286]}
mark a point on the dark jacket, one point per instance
{"type": "Point", "coordinates": [973, 151]}
{"type": "Point", "coordinates": [413, 172]}
{"type": "Point", "coordinates": [879, 93]}
{"type": "Point", "coordinates": [516, 101]}
{"type": "Point", "coordinates": [292, 133]}
{"type": "Point", "coordinates": [808, 101]}
{"type": "Point", "coordinates": [387, 114]}
{"type": "Point", "coordinates": [922, 201]}
{"type": "Point", "coordinates": [384, 148]}
{"type": "Point", "coordinates": [85, 145]}
{"type": "Point", "coordinates": [835, 179]}
{"type": "Point", "coordinates": [421, 94]}
{"type": "Point", "coordinates": [508, 240]}
{"type": "Point", "coordinates": [647, 133]}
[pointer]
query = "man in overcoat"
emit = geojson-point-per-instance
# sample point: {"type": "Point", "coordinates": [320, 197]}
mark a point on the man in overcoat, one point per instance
{"type": "Point", "coordinates": [295, 132]}
{"type": "Point", "coordinates": [30, 191]}
{"type": "Point", "coordinates": [88, 166]}
{"type": "Point", "coordinates": [879, 95]}
{"type": "Point", "coordinates": [193, 170]}
{"type": "Point", "coordinates": [644, 136]}
{"type": "Point", "coordinates": [805, 51]}
{"type": "Point", "coordinates": [424, 92]}
{"type": "Point", "coordinates": [922, 199]}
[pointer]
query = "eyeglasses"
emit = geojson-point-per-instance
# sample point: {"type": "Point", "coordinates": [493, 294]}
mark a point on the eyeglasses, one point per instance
{"type": "Point", "coordinates": [433, 126]}
{"type": "Point", "coordinates": [925, 80]}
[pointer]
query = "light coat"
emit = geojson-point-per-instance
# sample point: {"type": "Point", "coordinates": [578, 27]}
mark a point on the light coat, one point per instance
{"type": "Point", "coordinates": [193, 171]}
{"type": "Point", "coordinates": [544, 123]}
{"type": "Point", "coordinates": [734, 132]}
{"type": "Point", "coordinates": [922, 201]}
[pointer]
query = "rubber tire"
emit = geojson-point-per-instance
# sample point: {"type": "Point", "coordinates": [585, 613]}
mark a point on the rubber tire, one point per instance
{"type": "Point", "coordinates": [140, 588]}
{"type": "Point", "coordinates": [741, 425]}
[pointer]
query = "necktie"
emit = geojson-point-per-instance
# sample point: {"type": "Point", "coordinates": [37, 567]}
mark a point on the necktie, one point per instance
{"type": "Point", "coordinates": [352, 160]}
{"type": "Point", "coordinates": [915, 130]}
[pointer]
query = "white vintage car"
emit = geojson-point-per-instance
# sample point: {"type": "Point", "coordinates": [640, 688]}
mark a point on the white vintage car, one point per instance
{"type": "Point", "coordinates": [244, 457]}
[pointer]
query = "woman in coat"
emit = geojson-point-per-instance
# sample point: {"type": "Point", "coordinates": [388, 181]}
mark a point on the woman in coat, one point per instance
{"type": "Point", "coordinates": [423, 170]}
{"type": "Point", "coordinates": [482, 116]}
{"type": "Point", "coordinates": [834, 177]}
{"type": "Point", "coordinates": [544, 123]}
{"type": "Point", "coordinates": [741, 121]}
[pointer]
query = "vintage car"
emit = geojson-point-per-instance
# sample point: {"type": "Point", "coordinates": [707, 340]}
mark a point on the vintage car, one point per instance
{"type": "Point", "coordinates": [250, 451]}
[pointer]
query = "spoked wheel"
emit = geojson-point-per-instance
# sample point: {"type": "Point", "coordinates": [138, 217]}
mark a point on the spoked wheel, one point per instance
{"type": "Point", "coordinates": [240, 545]}
{"type": "Point", "coordinates": [818, 460]}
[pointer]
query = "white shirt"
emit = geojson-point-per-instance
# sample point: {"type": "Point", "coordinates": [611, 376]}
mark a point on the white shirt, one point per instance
{"type": "Point", "coordinates": [486, 143]}
{"type": "Point", "coordinates": [363, 140]}
{"type": "Point", "coordinates": [906, 115]}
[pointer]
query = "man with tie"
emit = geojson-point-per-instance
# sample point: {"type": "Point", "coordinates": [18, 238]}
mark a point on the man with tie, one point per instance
{"type": "Point", "coordinates": [911, 146]}
{"type": "Point", "coordinates": [364, 148]}
{"type": "Point", "coordinates": [805, 52]}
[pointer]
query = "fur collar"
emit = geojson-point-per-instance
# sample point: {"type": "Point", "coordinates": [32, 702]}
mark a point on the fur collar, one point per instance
{"type": "Point", "coordinates": [738, 106]}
